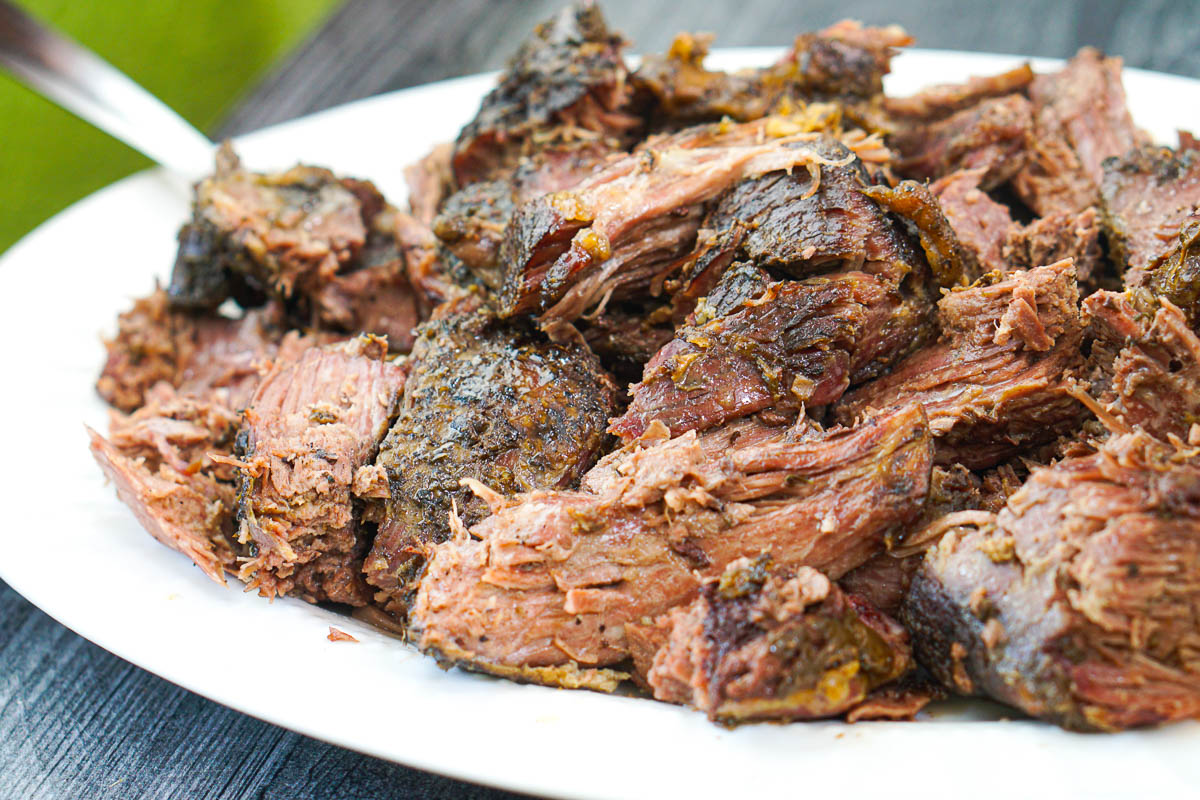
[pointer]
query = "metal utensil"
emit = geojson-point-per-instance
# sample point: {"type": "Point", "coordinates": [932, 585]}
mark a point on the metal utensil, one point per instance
{"type": "Point", "coordinates": [83, 83]}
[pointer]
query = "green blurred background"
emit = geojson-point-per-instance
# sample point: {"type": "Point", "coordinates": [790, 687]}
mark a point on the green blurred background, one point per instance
{"type": "Point", "coordinates": [199, 56]}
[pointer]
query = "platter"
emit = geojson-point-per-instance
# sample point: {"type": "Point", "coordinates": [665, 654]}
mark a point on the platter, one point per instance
{"type": "Point", "coordinates": [72, 549]}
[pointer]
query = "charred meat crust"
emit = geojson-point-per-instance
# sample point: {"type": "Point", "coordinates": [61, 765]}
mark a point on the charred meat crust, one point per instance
{"type": "Point", "coordinates": [568, 76]}
{"type": "Point", "coordinates": [844, 61]}
{"type": "Point", "coordinates": [489, 400]}
{"type": "Point", "coordinates": [787, 345]}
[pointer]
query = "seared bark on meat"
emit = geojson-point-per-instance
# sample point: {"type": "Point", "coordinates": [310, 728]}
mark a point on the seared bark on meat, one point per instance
{"type": "Point", "coordinates": [552, 578]}
{"type": "Point", "coordinates": [783, 345]}
{"type": "Point", "coordinates": [300, 236]}
{"type": "Point", "coordinates": [160, 459]}
{"type": "Point", "coordinates": [991, 136]}
{"type": "Point", "coordinates": [1080, 602]}
{"type": "Point", "coordinates": [312, 423]}
{"type": "Point", "coordinates": [488, 400]}
{"type": "Point", "coordinates": [200, 355]}
{"type": "Point", "coordinates": [1080, 119]}
{"type": "Point", "coordinates": [1151, 195]}
{"type": "Point", "coordinates": [567, 79]}
{"type": "Point", "coordinates": [998, 380]}
{"type": "Point", "coordinates": [757, 645]}
{"type": "Point", "coordinates": [943, 100]}
{"type": "Point", "coordinates": [803, 226]}
{"type": "Point", "coordinates": [471, 225]}
{"type": "Point", "coordinates": [1148, 360]}
{"type": "Point", "coordinates": [620, 232]}
{"type": "Point", "coordinates": [845, 61]}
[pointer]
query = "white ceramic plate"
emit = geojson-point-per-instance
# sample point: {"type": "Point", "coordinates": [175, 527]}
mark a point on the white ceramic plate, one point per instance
{"type": "Point", "coordinates": [71, 548]}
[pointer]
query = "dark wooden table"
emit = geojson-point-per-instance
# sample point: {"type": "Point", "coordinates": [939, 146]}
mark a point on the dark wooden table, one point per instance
{"type": "Point", "coordinates": [77, 722]}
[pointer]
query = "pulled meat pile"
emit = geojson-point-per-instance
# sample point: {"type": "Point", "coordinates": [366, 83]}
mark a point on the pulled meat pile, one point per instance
{"type": "Point", "coordinates": [773, 395]}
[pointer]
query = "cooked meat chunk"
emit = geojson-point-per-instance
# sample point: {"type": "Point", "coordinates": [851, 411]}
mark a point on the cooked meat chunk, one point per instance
{"type": "Point", "coordinates": [1150, 194]}
{"type": "Point", "coordinates": [620, 231]}
{"type": "Point", "coordinates": [312, 423]}
{"type": "Point", "coordinates": [1058, 236]}
{"type": "Point", "coordinates": [1149, 363]}
{"type": "Point", "coordinates": [471, 225]}
{"type": "Point", "coordinates": [430, 182]}
{"type": "Point", "coordinates": [301, 236]}
{"type": "Point", "coordinates": [279, 233]}
{"type": "Point", "coordinates": [784, 345]}
{"type": "Point", "coordinates": [998, 380]}
{"type": "Point", "coordinates": [376, 298]}
{"type": "Point", "coordinates": [1080, 602]}
{"type": "Point", "coordinates": [567, 79]}
{"type": "Point", "coordinates": [552, 578]}
{"type": "Point", "coordinates": [436, 273]}
{"type": "Point", "coordinates": [844, 61]}
{"type": "Point", "coordinates": [757, 645]}
{"type": "Point", "coordinates": [991, 136]}
{"type": "Point", "coordinates": [883, 581]}
{"type": "Point", "coordinates": [943, 100]}
{"type": "Point", "coordinates": [1080, 119]}
{"type": "Point", "coordinates": [987, 229]}
{"type": "Point", "coordinates": [200, 355]}
{"type": "Point", "coordinates": [160, 459]}
{"type": "Point", "coordinates": [803, 226]}
{"type": "Point", "coordinates": [472, 221]}
{"type": "Point", "coordinates": [488, 400]}
{"type": "Point", "coordinates": [980, 223]}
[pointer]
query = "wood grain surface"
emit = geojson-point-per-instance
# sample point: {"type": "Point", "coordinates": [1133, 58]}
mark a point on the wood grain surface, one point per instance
{"type": "Point", "coordinates": [77, 722]}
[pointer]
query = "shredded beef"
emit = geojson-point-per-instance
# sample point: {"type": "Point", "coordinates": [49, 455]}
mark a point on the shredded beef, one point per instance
{"type": "Point", "coordinates": [300, 236]}
{"type": "Point", "coordinates": [1151, 196]}
{"type": "Point", "coordinates": [998, 381]}
{"type": "Point", "coordinates": [312, 423]}
{"type": "Point", "coordinates": [161, 460]}
{"type": "Point", "coordinates": [1147, 364]}
{"type": "Point", "coordinates": [991, 136]}
{"type": "Point", "coordinates": [783, 345]}
{"type": "Point", "coordinates": [620, 232]}
{"type": "Point", "coordinates": [200, 355]}
{"type": "Point", "coordinates": [1078, 602]}
{"type": "Point", "coordinates": [980, 223]}
{"type": "Point", "coordinates": [551, 578]}
{"type": "Point", "coordinates": [1080, 119]}
{"type": "Point", "coordinates": [938, 102]}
